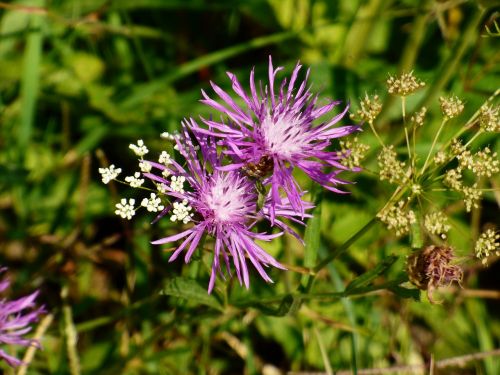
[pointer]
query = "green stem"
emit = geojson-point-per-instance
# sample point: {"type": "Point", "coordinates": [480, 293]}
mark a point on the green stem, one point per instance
{"type": "Point", "coordinates": [342, 248]}
{"type": "Point", "coordinates": [376, 134]}
{"type": "Point", "coordinates": [433, 145]}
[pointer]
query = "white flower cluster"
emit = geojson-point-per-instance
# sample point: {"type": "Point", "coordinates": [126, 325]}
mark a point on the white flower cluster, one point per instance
{"type": "Point", "coordinates": [162, 188]}
{"type": "Point", "coordinates": [140, 149]}
{"type": "Point", "coordinates": [489, 121]}
{"type": "Point", "coordinates": [370, 108]}
{"type": "Point", "coordinates": [134, 181]}
{"type": "Point", "coordinates": [437, 223]}
{"type": "Point", "coordinates": [124, 209]}
{"type": "Point", "coordinates": [451, 106]}
{"type": "Point", "coordinates": [391, 168]}
{"type": "Point", "coordinates": [145, 166]}
{"type": "Point", "coordinates": [352, 152]}
{"type": "Point", "coordinates": [485, 163]}
{"type": "Point", "coordinates": [182, 212]}
{"type": "Point", "coordinates": [398, 218]}
{"type": "Point", "coordinates": [488, 244]}
{"type": "Point", "coordinates": [177, 183]}
{"type": "Point", "coordinates": [404, 85]}
{"type": "Point", "coordinates": [165, 158]}
{"type": "Point", "coordinates": [419, 117]}
{"type": "Point", "coordinates": [153, 204]}
{"type": "Point", "coordinates": [169, 136]}
{"type": "Point", "coordinates": [109, 173]}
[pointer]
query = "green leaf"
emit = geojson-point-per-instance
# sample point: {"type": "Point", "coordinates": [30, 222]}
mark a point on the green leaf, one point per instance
{"type": "Point", "coordinates": [368, 277]}
{"type": "Point", "coordinates": [182, 287]}
{"type": "Point", "coordinates": [312, 239]}
{"type": "Point", "coordinates": [405, 292]}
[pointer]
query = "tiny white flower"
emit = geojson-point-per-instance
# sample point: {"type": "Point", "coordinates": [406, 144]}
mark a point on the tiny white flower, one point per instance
{"type": "Point", "coordinates": [134, 181]}
{"type": "Point", "coordinates": [165, 173]}
{"type": "Point", "coordinates": [140, 149]}
{"type": "Point", "coordinates": [152, 204]}
{"type": "Point", "coordinates": [125, 210]}
{"type": "Point", "coordinates": [165, 158]}
{"type": "Point", "coordinates": [145, 166]}
{"type": "Point", "coordinates": [181, 212]}
{"type": "Point", "coordinates": [162, 188]}
{"type": "Point", "coordinates": [177, 183]}
{"type": "Point", "coordinates": [109, 173]}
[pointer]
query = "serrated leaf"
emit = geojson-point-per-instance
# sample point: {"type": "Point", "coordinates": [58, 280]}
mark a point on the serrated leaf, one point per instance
{"type": "Point", "coordinates": [368, 277]}
{"type": "Point", "coordinates": [183, 287]}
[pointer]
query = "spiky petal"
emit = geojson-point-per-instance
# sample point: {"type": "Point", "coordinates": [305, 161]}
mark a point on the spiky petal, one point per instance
{"type": "Point", "coordinates": [280, 126]}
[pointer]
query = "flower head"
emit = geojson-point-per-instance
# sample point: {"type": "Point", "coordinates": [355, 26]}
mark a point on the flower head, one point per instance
{"type": "Point", "coordinates": [15, 321]}
{"type": "Point", "coordinates": [451, 106]}
{"type": "Point", "coordinates": [404, 85]}
{"type": "Point", "coordinates": [275, 131]}
{"type": "Point", "coordinates": [219, 203]}
{"type": "Point", "coordinates": [488, 244]}
{"type": "Point", "coordinates": [432, 267]}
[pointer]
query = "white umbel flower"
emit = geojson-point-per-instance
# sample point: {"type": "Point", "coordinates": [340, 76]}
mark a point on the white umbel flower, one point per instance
{"type": "Point", "coordinates": [125, 210]}
{"type": "Point", "coordinates": [134, 181]}
{"type": "Point", "coordinates": [181, 212]}
{"type": "Point", "coordinates": [139, 149]}
{"type": "Point", "coordinates": [145, 166]}
{"type": "Point", "coordinates": [177, 183]}
{"type": "Point", "coordinates": [165, 158]}
{"type": "Point", "coordinates": [153, 204]}
{"type": "Point", "coordinates": [109, 173]}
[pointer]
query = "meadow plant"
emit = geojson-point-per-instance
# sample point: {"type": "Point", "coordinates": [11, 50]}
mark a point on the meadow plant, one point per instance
{"type": "Point", "coordinates": [412, 208]}
{"type": "Point", "coordinates": [16, 319]}
{"type": "Point", "coordinates": [237, 172]}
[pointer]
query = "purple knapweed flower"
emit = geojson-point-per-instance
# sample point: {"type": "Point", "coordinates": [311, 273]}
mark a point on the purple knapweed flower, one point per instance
{"type": "Point", "coordinates": [274, 132]}
{"type": "Point", "coordinates": [220, 203]}
{"type": "Point", "coordinates": [14, 323]}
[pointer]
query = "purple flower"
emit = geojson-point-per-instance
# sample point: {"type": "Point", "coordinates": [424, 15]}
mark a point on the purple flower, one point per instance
{"type": "Point", "coordinates": [220, 203]}
{"type": "Point", "coordinates": [14, 323]}
{"type": "Point", "coordinates": [274, 132]}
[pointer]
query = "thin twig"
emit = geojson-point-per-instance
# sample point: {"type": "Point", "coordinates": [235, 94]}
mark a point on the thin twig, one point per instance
{"type": "Point", "coordinates": [30, 353]}
{"type": "Point", "coordinates": [459, 361]}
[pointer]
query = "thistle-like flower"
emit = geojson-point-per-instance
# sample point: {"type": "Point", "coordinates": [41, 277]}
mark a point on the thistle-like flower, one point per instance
{"type": "Point", "coordinates": [432, 267]}
{"type": "Point", "coordinates": [15, 322]}
{"type": "Point", "coordinates": [275, 132]}
{"type": "Point", "coordinates": [220, 203]}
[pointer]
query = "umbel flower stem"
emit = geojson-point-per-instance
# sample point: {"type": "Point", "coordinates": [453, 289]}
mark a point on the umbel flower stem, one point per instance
{"type": "Point", "coordinates": [445, 120]}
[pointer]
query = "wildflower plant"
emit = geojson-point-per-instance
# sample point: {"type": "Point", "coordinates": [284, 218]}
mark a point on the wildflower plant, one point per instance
{"type": "Point", "coordinates": [237, 172]}
{"type": "Point", "coordinates": [16, 319]}
{"type": "Point", "coordinates": [452, 167]}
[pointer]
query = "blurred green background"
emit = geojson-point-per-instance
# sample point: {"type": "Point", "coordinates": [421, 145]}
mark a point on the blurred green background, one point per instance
{"type": "Point", "coordinates": [82, 79]}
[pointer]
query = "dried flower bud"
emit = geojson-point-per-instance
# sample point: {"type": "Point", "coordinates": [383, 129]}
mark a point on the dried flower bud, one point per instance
{"type": "Point", "coordinates": [488, 118]}
{"type": "Point", "coordinates": [370, 108]}
{"type": "Point", "coordinates": [404, 85]}
{"type": "Point", "coordinates": [451, 106]}
{"type": "Point", "coordinates": [431, 268]}
{"type": "Point", "coordinates": [353, 152]}
{"type": "Point", "coordinates": [397, 218]}
{"type": "Point", "coordinates": [391, 168]}
{"type": "Point", "coordinates": [488, 244]}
